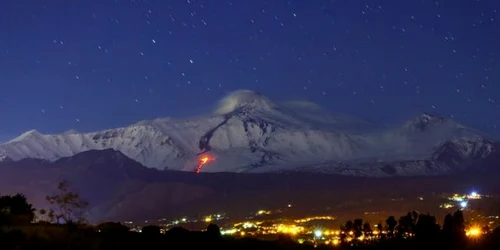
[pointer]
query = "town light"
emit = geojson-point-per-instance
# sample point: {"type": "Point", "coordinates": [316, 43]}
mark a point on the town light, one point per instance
{"type": "Point", "coordinates": [318, 233]}
{"type": "Point", "coordinates": [463, 204]}
{"type": "Point", "coordinates": [474, 232]}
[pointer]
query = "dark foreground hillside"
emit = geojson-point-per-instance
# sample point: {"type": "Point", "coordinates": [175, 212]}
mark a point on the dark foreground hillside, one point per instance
{"type": "Point", "coordinates": [59, 237]}
{"type": "Point", "coordinates": [65, 228]}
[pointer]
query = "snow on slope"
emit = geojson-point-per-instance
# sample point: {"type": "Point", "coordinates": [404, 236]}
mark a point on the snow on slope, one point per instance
{"type": "Point", "coordinates": [145, 143]}
{"type": "Point", "coordinates": [249, 132]}
{"type": "Point", "coordinates": [325, 119]}
{"type": "Point", "coordinates": [265, 133]}
{"type": "Point", "coordinates": [456, 152]}
{"type": "Point", "coordinates": [417, 138]}
{"type": "Point", "coordinates": [452, 156]}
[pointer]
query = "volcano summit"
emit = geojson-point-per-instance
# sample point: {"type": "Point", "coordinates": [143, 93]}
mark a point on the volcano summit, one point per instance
{"type": "Point", "coordinates": [248, 132]}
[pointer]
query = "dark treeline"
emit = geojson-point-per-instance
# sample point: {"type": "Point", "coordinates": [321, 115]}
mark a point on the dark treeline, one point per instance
{"type": "Point", "coordinates": [417, 231]}
{"type": "Point", "coordinates": [64, 227]}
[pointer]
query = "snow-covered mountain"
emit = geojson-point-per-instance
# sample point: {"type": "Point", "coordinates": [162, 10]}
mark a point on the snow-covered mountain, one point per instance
{"type": "Point", "coordinates": [475, 155]}
{"type": "Point", "coordinates": [247, 132]}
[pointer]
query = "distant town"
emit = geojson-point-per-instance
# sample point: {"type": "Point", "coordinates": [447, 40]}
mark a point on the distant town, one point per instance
{"type": "Point", "coordinates": [328, 228]}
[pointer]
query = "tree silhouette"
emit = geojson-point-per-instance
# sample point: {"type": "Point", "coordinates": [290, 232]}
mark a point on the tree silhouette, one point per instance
{"type": "Point", "coordinates": [426, 229]}
{"type": "Point", "coordinates": [414, 216]}
{"type": "Point", "coordinates": [459, 223]}
{"type": "Point", "coordinates": [454, 230]}
{"type": "Point", "coordinates": [112, 227]}
{"type": "Point", "coordinates": [448, 226]}
{"type": "Point", "coordinates": [406, 225]}
{"type": "Point", "coordinates": [358, 227]}
{"type": "Point", "coordinates": [459, 237]}
{"type": "Point", "coordinates": [15, 210]}
{"type": "Point", "coordinates": [213, 231]}
{"type": "Point", "coordinates": [68, 207]}
{"type": "Point", "coordinates": [391, 225]}
{"type": "Point", "coordinates": [367, 229]}
{"type": "Point", "coordinates": [349, 226]}
{"type": "Point", "coordinates": [346, 229]}
{"type": "Point", "coordinates": [151, 230]}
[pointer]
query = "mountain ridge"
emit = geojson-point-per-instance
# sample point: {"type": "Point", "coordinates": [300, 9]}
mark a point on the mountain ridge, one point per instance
{"type": "Point", "coordinates": [248, 132]}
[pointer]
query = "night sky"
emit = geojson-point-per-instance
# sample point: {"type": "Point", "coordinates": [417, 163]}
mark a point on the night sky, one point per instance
{"type": "Point", "coordinates": [96, 64]}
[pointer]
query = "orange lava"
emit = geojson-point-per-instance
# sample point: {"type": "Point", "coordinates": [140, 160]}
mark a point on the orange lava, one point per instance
{"type": "Point", "coordinates": [203, 160]}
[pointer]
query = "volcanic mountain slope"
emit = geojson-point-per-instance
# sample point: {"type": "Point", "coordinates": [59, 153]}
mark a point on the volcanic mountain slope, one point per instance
{"type": "Point", "coordinates": [107, 179]}
{"type": "Point", "coordinates": [474, 155]}
{"type": "Point", "coordinates": [119, 188]}
{"type": "Point", "coordinates": [247, 132]}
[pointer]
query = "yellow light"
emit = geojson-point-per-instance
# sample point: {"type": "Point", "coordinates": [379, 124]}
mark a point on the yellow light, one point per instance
{"type": "Point", "coordinates": [335, 242]}
{"type": "Point", "coordinates": [263, 212]}
{"type": "Point", "coordinates": [208, 219]}
{"type": "Point", "coordinates": [474, 232]}
{"type": "Point", "coordinates": [289, 229]}
{"type": "Point", "coordinates": [248, 225]}
{"type": "Point", "coordinates": [230, 231]}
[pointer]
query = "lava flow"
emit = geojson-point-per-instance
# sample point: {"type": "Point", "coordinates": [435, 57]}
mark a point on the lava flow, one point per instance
{"type": "Point", "coordinates": [202, 161]}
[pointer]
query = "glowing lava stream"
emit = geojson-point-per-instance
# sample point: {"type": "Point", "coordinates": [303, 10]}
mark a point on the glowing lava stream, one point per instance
{"type": "Point", "coordinates": [202, 161]}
